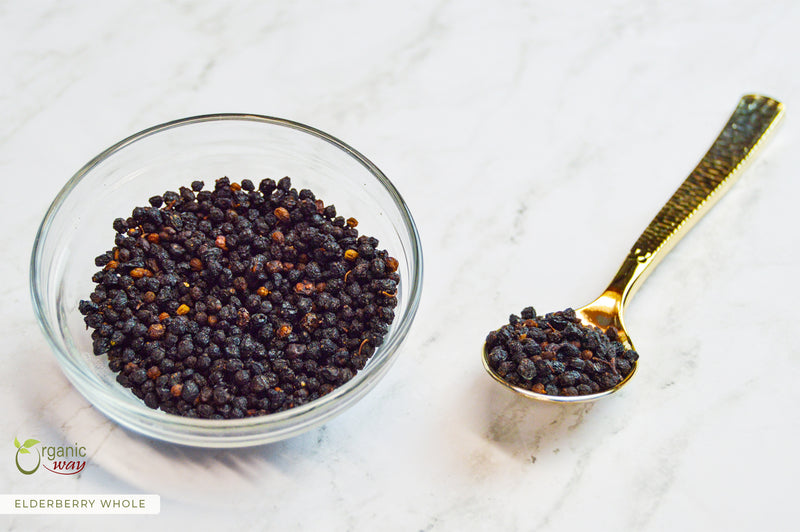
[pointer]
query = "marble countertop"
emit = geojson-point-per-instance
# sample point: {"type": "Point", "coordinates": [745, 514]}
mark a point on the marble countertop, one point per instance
{"type": "Point", "coordinates": [533, 141]}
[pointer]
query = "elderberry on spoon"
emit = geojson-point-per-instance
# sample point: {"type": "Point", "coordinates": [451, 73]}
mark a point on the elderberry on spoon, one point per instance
{"type": "Point", "coordinates": [585, 354]}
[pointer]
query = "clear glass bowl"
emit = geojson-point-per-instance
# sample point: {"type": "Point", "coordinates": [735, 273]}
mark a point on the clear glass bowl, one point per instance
{"type": "Point", "coordinates": [77, 228]}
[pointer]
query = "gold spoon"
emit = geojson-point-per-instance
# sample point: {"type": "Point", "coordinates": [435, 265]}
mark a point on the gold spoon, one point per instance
{"type": "Point", "coordinates": [754, 118]}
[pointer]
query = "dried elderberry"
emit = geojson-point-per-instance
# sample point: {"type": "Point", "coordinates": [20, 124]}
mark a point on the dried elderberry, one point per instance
{"type": "Point", "coordinates": [239, 301]}
{"type": "Point", "coordinates": [556, 354]}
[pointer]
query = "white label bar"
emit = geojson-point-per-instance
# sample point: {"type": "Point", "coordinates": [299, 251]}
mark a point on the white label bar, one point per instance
{"type": "Point", "coordinates": [47, 503]}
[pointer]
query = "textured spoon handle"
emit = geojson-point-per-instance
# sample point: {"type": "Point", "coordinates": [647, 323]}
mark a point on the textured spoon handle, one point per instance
{"type": "Point", "coordinates": [749, 124]}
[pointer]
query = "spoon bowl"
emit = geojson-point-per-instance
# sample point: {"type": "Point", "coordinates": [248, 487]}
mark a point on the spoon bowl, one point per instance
{"type": "Point", "coordinates": [602, 313]}
{"type": "Point", "coordinates": [750, 124]}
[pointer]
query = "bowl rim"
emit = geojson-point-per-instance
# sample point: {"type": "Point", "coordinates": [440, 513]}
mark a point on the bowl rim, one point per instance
{"type": "Point", "coordinates": [217, 433]}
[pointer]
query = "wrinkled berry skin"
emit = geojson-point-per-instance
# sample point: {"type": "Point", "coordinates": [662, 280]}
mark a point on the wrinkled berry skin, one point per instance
{"type": "Point", "coordinates": [240, 300]}
{"type": "Point", "coordinates": [556, 354]}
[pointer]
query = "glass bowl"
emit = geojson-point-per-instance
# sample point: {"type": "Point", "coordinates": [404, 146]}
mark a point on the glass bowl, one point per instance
{"type": "Point", "coordinates": [77, 228]}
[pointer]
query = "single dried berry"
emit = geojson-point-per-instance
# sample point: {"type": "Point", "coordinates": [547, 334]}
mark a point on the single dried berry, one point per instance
{"type": "Point", "coordinates": [138, 273]}
{"type": "Point", "coordinates": [526, 369]}
{"type": "Point", "coordinates": [156, 331]}
{"type": "Point", "coordinates": [284, 330]}
{"type": "Point", "coordinates": [305, 288]}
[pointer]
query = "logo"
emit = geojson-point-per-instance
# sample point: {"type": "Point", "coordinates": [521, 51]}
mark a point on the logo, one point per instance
{"type": "Point", "coordinates": [61, 460]}
{"type": "Point", "coordinates": [22, 448]}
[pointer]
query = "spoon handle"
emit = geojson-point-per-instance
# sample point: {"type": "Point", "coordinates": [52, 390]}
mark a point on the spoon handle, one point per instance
{"type": "Point", "coordinates": [751, 122]}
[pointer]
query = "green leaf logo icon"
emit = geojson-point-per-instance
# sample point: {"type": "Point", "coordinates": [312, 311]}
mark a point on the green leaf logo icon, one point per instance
{"type": "Point", "coordinates": [23, 448]}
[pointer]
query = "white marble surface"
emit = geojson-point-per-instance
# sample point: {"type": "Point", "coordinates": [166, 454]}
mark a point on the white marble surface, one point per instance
{"type": "Point", "coordinates": [558, 129]}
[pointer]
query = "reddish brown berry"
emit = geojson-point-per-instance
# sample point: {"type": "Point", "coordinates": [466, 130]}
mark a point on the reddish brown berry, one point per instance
{"type": "Point", "coordinates": [156, 331]}
{"type": "Point", "coordinates": [138, 273]}
{"type": "Point", "coordinates": [277, 237]}
{"type": "Point", "coordinates": [242, 317]}
{"type": "Point", "coordinates": [305, 288]}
